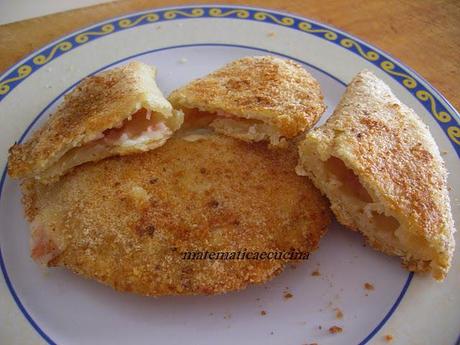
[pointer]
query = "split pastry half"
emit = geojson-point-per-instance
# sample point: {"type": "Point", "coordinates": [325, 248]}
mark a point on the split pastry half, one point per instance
{"type": "Point", "coordinates": [254, 99]}
{"type": "Point", "coordinates": [116, 112]}
{"type": "Point", "coordinates": [381, 169]}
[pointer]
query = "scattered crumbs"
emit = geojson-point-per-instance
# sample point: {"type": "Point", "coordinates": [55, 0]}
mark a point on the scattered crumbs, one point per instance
{"type": "Point", "coordinates": [316, 273]}
{"type": "Point", "coordinates": [288, 295]}
{"type": "Point", "coordinates": [320, 327]}
{"type": "Point", "coordinates": [258, 299]}
{"type": "Point", "coordinates": [48, 86]}
{"type": "Point", "coordinates": [443, 153]}
{"type": "Point", "coordinates": [227, 316]}
{"type": "Point", "coordinates": [211, 314]}
{"type": "Point", "coordinates": [338, 314]}
{"type": "Point", "coordinates": [271, 34]}
{"type": "Point", "coordinates": [368, 286]}
{"type": "Point", "coordinates": [449, 189]}
{"type": "Point", "coordinates": [271, 333]}
{"type": "Point", "coordinates": [335, 329]}
{"type": "Point", "coordinates": [183, 60]}
{"type": "Point", "coordinates": [263, 312]}
{"type": "Point", "coordinates": [388, 338]}
{"type": "Point", "coordinates": [366, 294]}
{"type": "Point", "coordinates": [158, 27]}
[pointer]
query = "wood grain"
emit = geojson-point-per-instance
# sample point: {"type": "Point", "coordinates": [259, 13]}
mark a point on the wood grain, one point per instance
{"type": "Point", "coordinates": [425, 35]}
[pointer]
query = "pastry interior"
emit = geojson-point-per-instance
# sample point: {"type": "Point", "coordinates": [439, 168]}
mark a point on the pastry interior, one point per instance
{"type": "Point", "coordinates": [141, 131]}
{"type": "Point", "coordinates": [233, 125]}
{"type": "Point", "coordinates": [361, 208]}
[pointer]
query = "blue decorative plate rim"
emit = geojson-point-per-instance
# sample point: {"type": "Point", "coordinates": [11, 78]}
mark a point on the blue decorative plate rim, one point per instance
{"type": "Point", "coordinates": [413, 82]}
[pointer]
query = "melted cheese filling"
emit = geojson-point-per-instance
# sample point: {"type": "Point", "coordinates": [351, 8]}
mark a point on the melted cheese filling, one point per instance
{"type": "Point", "coordinates": [232, 125]}
{"type": "Point", "coordinates": [372, 218]}
{"type": "Point", "coordinates": [138, 128]}
{"type": "Point", "coordinates": [138, 132]}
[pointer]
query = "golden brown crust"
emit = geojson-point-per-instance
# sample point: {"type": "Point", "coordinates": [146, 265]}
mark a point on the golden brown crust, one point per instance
{"type": "Point", "coordinates": [125, 221]}
{"type": "Point", "coordinates": [397, 160]}
{"type": "Point", "coordinates": [99, 102]}
{"type": "Point", "coordinates": [277, 92]}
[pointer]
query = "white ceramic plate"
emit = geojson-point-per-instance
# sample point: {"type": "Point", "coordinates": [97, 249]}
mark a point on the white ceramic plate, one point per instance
{"type": "Point", "coordinates": [185, 43]}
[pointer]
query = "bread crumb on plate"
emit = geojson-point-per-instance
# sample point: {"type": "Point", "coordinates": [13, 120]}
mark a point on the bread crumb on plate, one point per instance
{"type": "Point", "coordinates": [335, 329]}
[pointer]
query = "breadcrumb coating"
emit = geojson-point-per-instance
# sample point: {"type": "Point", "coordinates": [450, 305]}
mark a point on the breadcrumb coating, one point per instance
{"type": "Point", "coordinates": [125, 221]}
{"type": "Point", "coordinates": [98, 103]}
{"type": "Point", "coordinates": [276, 92]}
{"type": "Point", "coordinates": [382, 171]}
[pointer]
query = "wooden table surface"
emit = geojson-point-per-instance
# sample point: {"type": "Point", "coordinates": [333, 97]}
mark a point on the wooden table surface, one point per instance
{"type": "Point", "coordinates": [423, 34]}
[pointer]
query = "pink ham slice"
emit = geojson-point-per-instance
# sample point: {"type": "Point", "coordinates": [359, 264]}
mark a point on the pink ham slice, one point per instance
{"type": "Point", "coordinates": [137, 124]}
{"type": "Point", "coordinates": [42, 247]}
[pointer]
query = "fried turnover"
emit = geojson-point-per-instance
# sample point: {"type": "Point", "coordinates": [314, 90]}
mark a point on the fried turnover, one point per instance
{"type": "Point", "coordinates": [260, 98]}
{"type": "Point", "coordinates": [126, 221]}
{"type": "Point", "coordinates": [381, 169]}
{"type": "Point", "coordinates": [116, 112]}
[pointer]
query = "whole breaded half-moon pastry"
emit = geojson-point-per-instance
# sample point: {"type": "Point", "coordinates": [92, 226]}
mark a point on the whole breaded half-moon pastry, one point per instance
{"type": "Point", "coordinates": [116, 112]}
{"type": "Point", "coordinates": [128, 221]}
{"type": "Point", "coordinates": [382, 171]}
{"type": "Point", "coordinates": [254, 99]}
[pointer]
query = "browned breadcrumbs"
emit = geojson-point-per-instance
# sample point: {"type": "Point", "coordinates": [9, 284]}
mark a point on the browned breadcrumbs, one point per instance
{"type": "Point", "coordinates": [316, 273]}
{"type": "Point", "coordinates": [388, 338]}
{"type": "Point", "coordinates": [335, 329]}
{"type": "Point", "coordinates": [288, 295]}
{"type": "Point", "coordinates": [368, 286]}
{"type": "Point", "coordinates": [338, 314]}
{"type": "Point", "coordinates": [263, 312]}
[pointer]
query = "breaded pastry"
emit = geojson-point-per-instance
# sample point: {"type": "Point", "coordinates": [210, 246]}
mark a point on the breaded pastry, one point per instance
{"type": "Point", "coordinates": [116, 112]}
{"type": "Point", "coordinates": [381, 169]}
{"type": "Point", "coordinates": [254, 99]}
{"type": "Point", "coordinates": [127, 221]}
